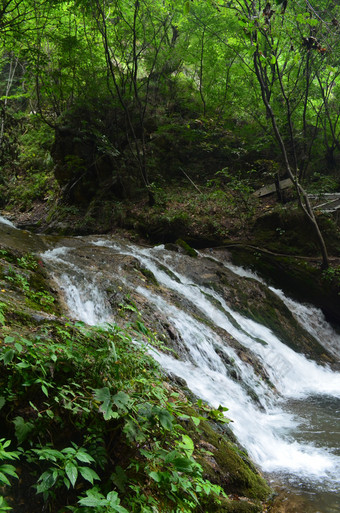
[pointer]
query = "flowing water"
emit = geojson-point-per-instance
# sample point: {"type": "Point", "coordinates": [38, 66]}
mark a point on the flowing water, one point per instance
{"type": "Point", "coordinates": [7, 222]}
{"type": "Point", "coordinates": [291, 430]}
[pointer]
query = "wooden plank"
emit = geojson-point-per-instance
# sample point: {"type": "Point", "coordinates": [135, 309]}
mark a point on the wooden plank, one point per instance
{"type": "Point", "coordinates": [271, 189]}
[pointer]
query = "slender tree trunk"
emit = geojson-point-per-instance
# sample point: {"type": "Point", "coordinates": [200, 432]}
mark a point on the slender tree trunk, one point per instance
{"type": "Point", "coordinates": [11, 73]}
{"type": "Point", "coordinates": [303, 199]}
{"type": "Point", "coordinates": [201, 73]}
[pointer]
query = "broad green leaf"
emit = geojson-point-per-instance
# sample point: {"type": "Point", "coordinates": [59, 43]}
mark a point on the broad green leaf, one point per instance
{"type": "Point", "coordinates": [3, 505]}
{"type": "Point", "coordinates": [4, 479]}
{"type": "Point", "coordinates": [71, 472]}
{"type": "Point", "coordinates": [132, 431]}
{"type": "Point", "coordinates": [156, 476]}
{"type": "Point", "coordinates": [22, 428]}
{"type": "Point", "coordinates": [8, 356]}
{"type": "Point", "coordinates": [113, 498]}
{"type": "Point", "coordinates": [8, 469]}
{"type": "Point", "coordinates": [23, 365]}
{"type": "Point", "coordinates": [103, 395]}
{"type": "Point", "coordinates": [165, 419]}
{"type": "Point", "coordinates": [171, 456]}
{"type": "Point", "coordinates": [83, 456]}
{"type": "Point", "coordinates": [195, 420]}
{"type": "Point", "coordinates": [47, 481]}
{"type": "Point", "coordinates": [69, 450]}
{"type": "Point", "coordinates": [114, 502]}
{"type": "Point", "coordinates": [121, 400]}
{"type": "Point", "coordinates": [92, 502]}
{"type": "Point", "coordinates": [67, 483]}
{"type": "Point", "coordinates": [182, 464]}
{"type": "Point", "coordinates": [119, 478]}
{"type": "Point", "coordinates": [88, 474]}
{"type": "Point", "coordinates": [187, 445]}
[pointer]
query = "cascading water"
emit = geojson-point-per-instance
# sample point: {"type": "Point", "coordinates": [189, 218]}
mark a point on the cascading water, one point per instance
{"type": "Point", "coordinates": [83, 297]}
{"type": "Point", "coordinates": [310, 317]}
{"type": "Point", "coordinates": [278, 427]}
{"type": "Point", "coordinates": [3, 220]}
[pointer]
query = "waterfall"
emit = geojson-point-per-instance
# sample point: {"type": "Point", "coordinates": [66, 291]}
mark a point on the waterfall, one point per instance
{"type": "Point", "coordinates": [270, 423]}
{"type": "Point", "coordinates": [84, 299]}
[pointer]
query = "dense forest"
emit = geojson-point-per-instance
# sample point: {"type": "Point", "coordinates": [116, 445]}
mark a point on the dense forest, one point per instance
{"type": "Point", "coordinates": [162, 121]}
{"type": "Point", "coordinates": [104, 102]}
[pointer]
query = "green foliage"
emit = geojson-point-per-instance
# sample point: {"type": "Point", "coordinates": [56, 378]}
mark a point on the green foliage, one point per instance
{"type": "Point", "coordinates": [332, 275]}
{"type": "Point", "coordinates": [7, 471]}
{"type": "Point", "coordinates": [65, 468]}
{"type": "Point", "coordinates": [22, 281]}
{"type": "Point", "coordinates": [2, 313]}
{"type": "Point", "coordinates": [322, 183]}
{"type": "Point", "coordinates": [95, 499]}
{"type": "Point", "coordinates": [236, 191]}
{"type": "Point", "coordinates": [216, 414]}
{"type": "Point", "coordinates": [102, 389]}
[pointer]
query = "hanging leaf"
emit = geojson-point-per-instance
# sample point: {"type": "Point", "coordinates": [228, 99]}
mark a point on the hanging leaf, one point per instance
{"type": "Point", "coordinates": [22, 428]}
{"type": "Point", "coordinates": [103, 395]}
{"type": "Point", "coordinates": [89, 474]}
{"type": "Point", "coordinates": [72, 472]}
{"type": "Point", "coordinates": [187, 445]}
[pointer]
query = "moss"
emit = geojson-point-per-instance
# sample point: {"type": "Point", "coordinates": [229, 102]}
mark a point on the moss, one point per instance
{"type": "Point", "coordinates": [242, 477]}
{"type": "Point", "coordinates": [188, 249]}
{"type": "Point", "coordinates": [229, 466]}
{"type": "Point", "coordinates": [149, 276]}
{"type": "Point", "coordinates": [233, 506]}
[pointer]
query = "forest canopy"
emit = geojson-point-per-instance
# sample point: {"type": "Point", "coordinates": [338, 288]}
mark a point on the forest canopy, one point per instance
{"type": "Point", "coordinates": [120, 95]}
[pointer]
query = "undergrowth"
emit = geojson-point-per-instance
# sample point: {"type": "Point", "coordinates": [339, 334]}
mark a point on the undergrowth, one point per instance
{"type": "Point", "coordinates": [89, 425]}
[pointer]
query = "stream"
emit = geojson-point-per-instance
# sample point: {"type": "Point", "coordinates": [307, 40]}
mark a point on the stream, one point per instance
{"type": "Point", "coordinates": [284, 405]}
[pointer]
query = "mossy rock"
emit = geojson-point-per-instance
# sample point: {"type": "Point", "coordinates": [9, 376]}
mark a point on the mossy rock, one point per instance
{"type": "Point", "coordinates": [238, 474]}
{"type": "Point", "coordinates": [226, 464]}
{"type": "Point", "coordinates": [230, 505]}
{"type": "Point", "coordinates": [149, 276]}
{"type": "Point", "coordinates": [188, 249]}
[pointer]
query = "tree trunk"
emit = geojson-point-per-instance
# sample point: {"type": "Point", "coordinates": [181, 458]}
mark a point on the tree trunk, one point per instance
{"type": "Point", "coordinates": [301, 193]}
